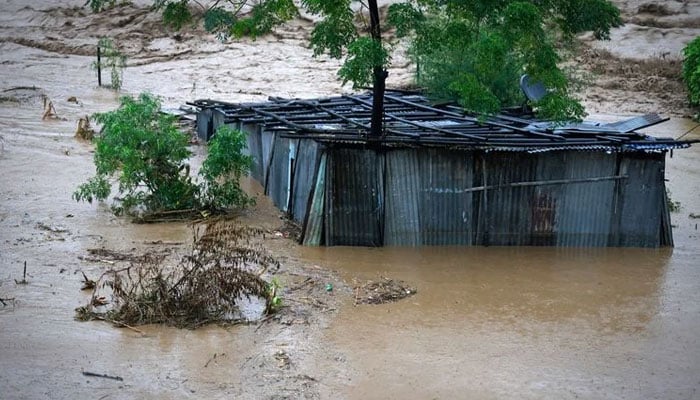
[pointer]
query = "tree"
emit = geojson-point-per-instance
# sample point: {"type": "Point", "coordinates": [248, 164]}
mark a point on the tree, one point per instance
{"type": "Point", "coordinates": [470, 51]}
{"type": "Point", "coordinates": [144, 151]}
{"type": "Point", "coordinates": [475, 51]}
{"type": "Point", "coordinates": [336, 34]}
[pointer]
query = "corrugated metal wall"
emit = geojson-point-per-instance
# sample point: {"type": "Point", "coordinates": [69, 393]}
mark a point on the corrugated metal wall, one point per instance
{"type": "Point", "coordinates": [414, 197]}
{"type": "Point", "coordinates": [446, 215]}
{"type": "Point", "coordinates": [642, 200]}
{"type": "Point", "coordinates": [314, 221]}
{"type": "Point", "coordinates": [204, 124]}
{"type": "Point", "coordinates": [506, 212]}
{"type": "Point", "coordinates": [303, 179]}
{"type": "Point", "coordinates": [403, 198]}
{"type": "Point", "coordinates": [277, 185]}
{"type": "Point", "coordinates": [585, 210]}
{"type": "Point", "coordinates": [253, 132]}
{"type": "Point", "coordinates": [354, 202]}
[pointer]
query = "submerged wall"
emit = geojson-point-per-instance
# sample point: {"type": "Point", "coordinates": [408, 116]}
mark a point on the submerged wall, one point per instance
{"type": "Point", "coordinates": [352, 195]}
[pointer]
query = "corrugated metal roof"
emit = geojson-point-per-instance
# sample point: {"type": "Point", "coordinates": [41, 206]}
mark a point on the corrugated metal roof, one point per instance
{"type": "Point", "coordinates": [411, 120]}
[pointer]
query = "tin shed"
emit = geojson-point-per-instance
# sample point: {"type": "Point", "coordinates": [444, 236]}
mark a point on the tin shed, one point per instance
{"type": "Point", "coordinates": [439, 176]}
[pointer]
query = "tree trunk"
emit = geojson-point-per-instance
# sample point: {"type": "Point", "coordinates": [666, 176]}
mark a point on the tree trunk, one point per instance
{"type": "Point", "coordinates": [380, 75]}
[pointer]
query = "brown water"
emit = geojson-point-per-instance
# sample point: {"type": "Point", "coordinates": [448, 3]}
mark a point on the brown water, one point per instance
{"type": "Point", "coordinates": [485, 323]}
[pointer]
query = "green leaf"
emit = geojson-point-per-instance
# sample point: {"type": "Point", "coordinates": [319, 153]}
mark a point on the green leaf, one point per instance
{"type": "Point", "coordinates": [364, 54]}
{"type": "Point", "coordinates": [691, 70]}
{"type": "Point", "coordinates": [176, 14]}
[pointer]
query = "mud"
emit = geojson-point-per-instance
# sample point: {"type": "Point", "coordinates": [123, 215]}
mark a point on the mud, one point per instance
{"type": "Point", "coordinates": [484, 323]}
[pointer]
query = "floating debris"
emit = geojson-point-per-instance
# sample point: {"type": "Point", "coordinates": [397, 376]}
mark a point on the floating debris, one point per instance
{"type": "Point", "coordinates": [383, 291]}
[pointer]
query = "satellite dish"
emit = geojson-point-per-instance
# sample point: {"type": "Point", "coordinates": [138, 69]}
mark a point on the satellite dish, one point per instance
{"type": "Point", "coordinates": [534, 91]}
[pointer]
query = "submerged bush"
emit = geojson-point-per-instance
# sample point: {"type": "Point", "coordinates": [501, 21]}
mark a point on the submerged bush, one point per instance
{"type": "Point", "coordinates": [142, 149]}
{"type": "Point", "coordinates": [691, 70]}
{"type": "Point", "coordinates": [223, 267]}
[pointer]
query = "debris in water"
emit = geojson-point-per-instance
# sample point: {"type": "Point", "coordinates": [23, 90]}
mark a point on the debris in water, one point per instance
{"type": "Point", "coordinates": [116, 378]}
{"type": "Point", "coordinates": [4, 301]}
{"type": "Point", "coordinates": [51, 228]}
{"type": "Point", "coordinates": [223, 267]}
{"type": "Point", "coordinates": [49, 109]}
{"type": "Point", "coordinates": [384, 291]}
{"type": "Point", "coordinates": [84, 130]}
{"type": "Point", "coordinates": [110, 256]}
{"type": "Point", "coordinates": [282, 358]}
{"type": "Point", "coordinates": [24, 276]}
{"type": "Point", "coordinates": [87, 283]}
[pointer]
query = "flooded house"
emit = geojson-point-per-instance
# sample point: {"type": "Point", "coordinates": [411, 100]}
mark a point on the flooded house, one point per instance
{"type": "Point", "coordinates": [440, 176]}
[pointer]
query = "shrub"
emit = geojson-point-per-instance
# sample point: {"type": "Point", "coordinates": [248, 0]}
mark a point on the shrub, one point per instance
{"type": "Point", "coordinates": [691, 70]}
{"type": "Point", "coordinates": [112, 59]}
{"type": "Point", "coordinates": [475, 52]}
{"type": "Point", "coordinates": [223, 266]}
{"type": "Point", "coordinates": [148, 155]}
{"type": "Point", "coordinates": [221, 171]}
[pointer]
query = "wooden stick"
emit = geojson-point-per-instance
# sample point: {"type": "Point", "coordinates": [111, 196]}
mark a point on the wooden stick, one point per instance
{"type": "Point", "coordinates": [119, 323]}
{"type": "Point", "coordinates": [116, 378]}
{"type": "Point", "coordinates": [540, 183]}
{"type": "Point", "coordinates": [4, 300]}
{"type": "Point", "coordinates": [99, 67]}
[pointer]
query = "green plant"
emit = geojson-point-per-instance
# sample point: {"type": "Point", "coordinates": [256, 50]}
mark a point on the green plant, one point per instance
{"type": "Point", "coordinates": [475, 52]}
{"type": "Point", "coordinates": [112, 59]}
{"type": "Point", "coordinates": [221, 171]}
{"type": "Point", "coordinates": [143, 150]}
{"type": "Point", "coordinates": [673, 206]}
{"type": "Point", "coordinates": [147, 153]}
{"type": "Point", "coordinates": [691, 70]}
{"type": "Point", "coordinates": [176, 14]}
{"type": "Point", "coordinates": [274, 287]}
{"type": "Point", "coordinates": [100, 5]}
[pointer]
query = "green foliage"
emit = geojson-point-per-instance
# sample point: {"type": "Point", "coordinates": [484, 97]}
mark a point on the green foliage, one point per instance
{"type": "Point", "coordinates": [336, 30]}
{"type": "Point", "coordinates": [258, 20]}
{"type": "Point", "coordinates": [274, 288]}
{"type": "Point", "coordinates": [475, 52]}
{"type": "Point", "coordinates": [334, 34]}
{"type": "Point", "coordinates": [176, 14]}
{"type": "Point", "coordinates": [144, 151]}
{"type": "Point", "coordinates": [222, 170]}
{"type": "Point", "coordinates": [673, 206]}
{"type": "Point", "coordinates": [100, 5]}
{"type": "Point", "coordinates": [144, 148]}
{"type": "Point", "coordinates": [264, 16]}
{"type": "Point", "coordinates": [218, 21]}
{"type": "Point", "coordinates": [691, 70]}
{"type": "Point", "coordinates": [112, 59]}
{"type": "Point", "coordinates": [364, 54]}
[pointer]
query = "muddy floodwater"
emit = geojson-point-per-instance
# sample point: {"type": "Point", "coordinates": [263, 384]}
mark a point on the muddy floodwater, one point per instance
{"type": "Point", "coordinates": [485, 323]}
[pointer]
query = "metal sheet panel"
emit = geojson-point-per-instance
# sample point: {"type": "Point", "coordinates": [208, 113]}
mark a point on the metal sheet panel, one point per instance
{"type": "Point", "coordinates": [313, 227]}
{"type": "Point", "coordinates": [353, 198]}
{"type": "Point", "coordinates": [446, 209]}
{"type": "Point", "coordinates": [278, 180]}
{"type": "Point", "coordinates": [642, 201]}
{"type": "Point", "coordinates": [217, 119]}
{"type": "Point", "coordinates": [506, 212]}
{"type": "Point", "coordinates": [403, 198]}
{"type": "Point", "coordinates": [585, 210]}
{"type": "Point", "coordinates": [253, 132]}
{"type": "Point", "coordinates": [267, 139]}
{"type": "Point", "coordinates": [303, 180]}
{"type": "Point", "coordinates": [204, 124]}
